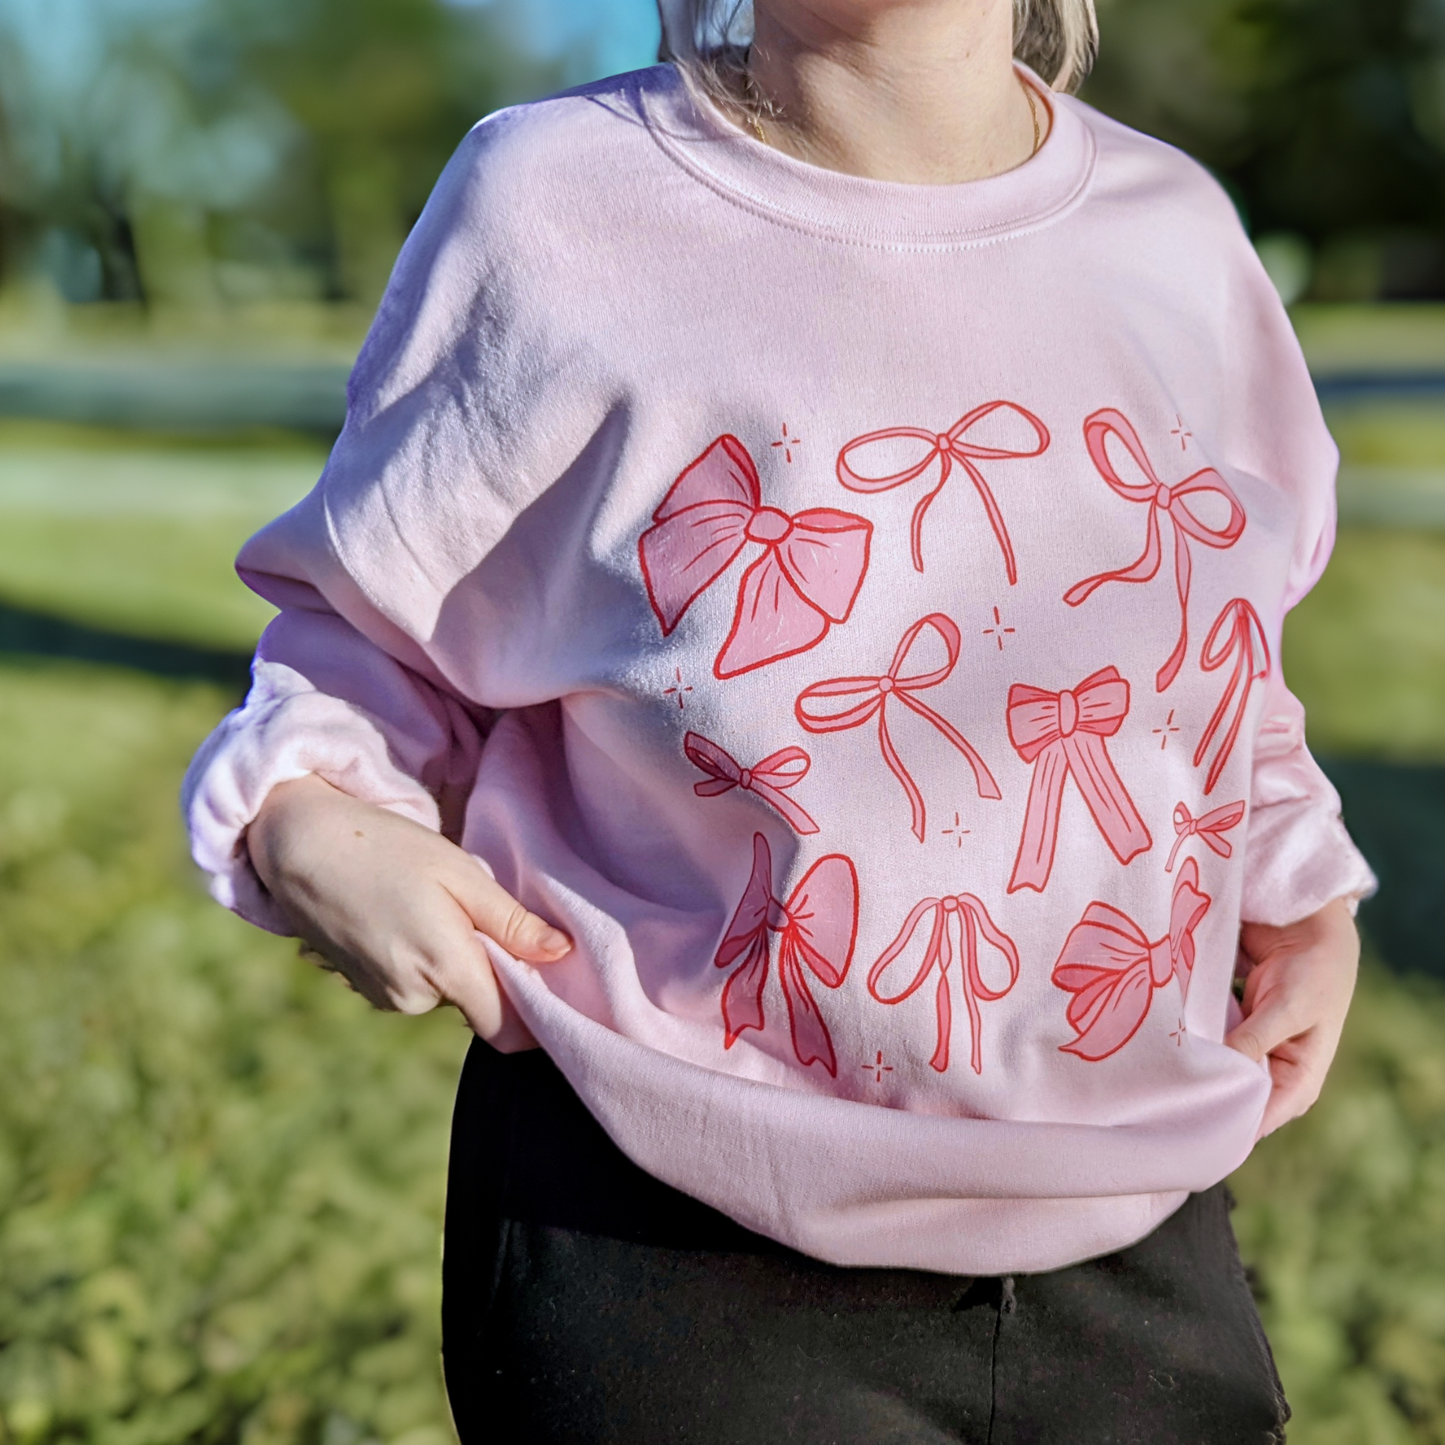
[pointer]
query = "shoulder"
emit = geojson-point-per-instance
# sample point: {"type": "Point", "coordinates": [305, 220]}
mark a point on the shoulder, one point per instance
{"type": "Point", "coordinates": [1137, 173]}
{"type": "Point", "coordinates": [529, 164]}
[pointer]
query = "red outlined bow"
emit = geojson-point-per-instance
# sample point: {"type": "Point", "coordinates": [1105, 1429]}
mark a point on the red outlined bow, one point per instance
{"type": "Point", "coordinates": [1210, 827]}
{"type": "Point", "coordinates": [1062, 734]}
{"type": "Point", "coordinates": [1237, 633]}
{"type": "Point", "coordinates": [946, 448]}
{"type": "Point", "coordinates": [972, 919]}
{"type": "Point", "coordinates": [1171, 502]}
{"type": "Point", "coordinates": [807, 577]}
{"type": "Point", "coordinates": [768, 779]}
{"type": "Point", "coordinates": [1112, 969]}
{"type": "Point", "coordinates": [849, 702]}
{"type": "Point", "coordinates": [817, 927]}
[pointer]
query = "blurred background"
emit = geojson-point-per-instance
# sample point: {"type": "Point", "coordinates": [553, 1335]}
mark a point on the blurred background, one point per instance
{"type": "Point", "coordinates": [220, 1174]}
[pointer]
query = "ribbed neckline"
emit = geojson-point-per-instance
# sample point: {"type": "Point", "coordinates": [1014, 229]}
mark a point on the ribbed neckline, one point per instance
{"type": "Point", "coordinates": [856, 209]}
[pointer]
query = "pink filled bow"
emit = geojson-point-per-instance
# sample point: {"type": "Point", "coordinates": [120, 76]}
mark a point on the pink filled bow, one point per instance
{"type": "Point", "coordinates": [946, 448]}
{"type": "Point", "coordinates": [849, 702]}
{"type": "Point", "coordinates": [768, 779]}
{"type": "Point", "coordinates": [1062, 734]}
{"type": "Point", "coordinates": [1112, 970]}
{"type": "Point", "coordinates": [817, 925]}
{"type": "Point", "coordinates": [1237, 633]}
{"type": "Point", "coordinates": [972, 919]}
{"type": "Point", "coordinates": [807, 577]}
{"type": "Point", "coordinates": [1172, 502]}
{"type": "Point", "coordinates": [1210, 827]}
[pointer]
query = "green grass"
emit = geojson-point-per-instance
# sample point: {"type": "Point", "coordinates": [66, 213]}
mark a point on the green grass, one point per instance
{"type": "Point", "coordinates": [1365, 651]}
{"type": "Point", "coordinates": [1342, 1214]}
{"type": "Point", "coordinates": [139, 533]}
{"type": "Point", "coordinates": [221, 1174]}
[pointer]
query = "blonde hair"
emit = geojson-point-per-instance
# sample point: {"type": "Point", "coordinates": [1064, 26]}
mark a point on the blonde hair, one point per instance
{"type": "Point", "coordinates": [1057, 39]}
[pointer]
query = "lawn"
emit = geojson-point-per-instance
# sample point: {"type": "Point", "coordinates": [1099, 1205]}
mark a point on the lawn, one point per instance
{"type": "Point", "coordinates": [221, 1175]}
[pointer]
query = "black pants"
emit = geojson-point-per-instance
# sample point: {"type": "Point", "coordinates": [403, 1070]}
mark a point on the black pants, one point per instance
{"type": "Point", "coordinates": [586, 1302]}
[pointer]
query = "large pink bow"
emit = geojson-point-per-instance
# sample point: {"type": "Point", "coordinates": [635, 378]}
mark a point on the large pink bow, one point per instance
{"type": "Point", "coordinates": [945, 448]}
{"type": "Point", "coordinates": [807, 578]}
{"type": "Point", "coordinates": [1062, 734]}
{"type": "Point", "coordinates": [1210, 828]}
{"type": "Point", "coordinates": [1172, 502]}
{"type": "Point", "coordinates": [818, 926]}
{"type": "Point", "coordinates": [768, 779]}
{"type": "Point", "coordinates": [849, 702]}
{"type": "Point", "coordinates": [972, 918]}
{"type": "Point", "coordinates": [1237, 633]}
{"type": "Point", "coordinates": [1112, 970]}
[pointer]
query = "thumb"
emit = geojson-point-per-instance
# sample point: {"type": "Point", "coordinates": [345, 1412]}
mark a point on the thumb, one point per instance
{"type": "Point", "coordinates": [506, 922]}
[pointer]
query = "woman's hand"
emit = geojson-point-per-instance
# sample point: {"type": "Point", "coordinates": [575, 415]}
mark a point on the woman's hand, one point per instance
{"type": "Point", "coordinates": [394, 907]}
{"type": "Point", "coordinates": [1296, 996]}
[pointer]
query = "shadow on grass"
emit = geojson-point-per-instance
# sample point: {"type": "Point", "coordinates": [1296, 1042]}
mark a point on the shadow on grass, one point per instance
{"type": "Point", "coordinates": [40, 634]}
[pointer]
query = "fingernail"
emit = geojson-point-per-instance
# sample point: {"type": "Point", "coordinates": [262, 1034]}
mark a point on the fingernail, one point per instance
{"type": "Point", "coordinates": [554, 941]}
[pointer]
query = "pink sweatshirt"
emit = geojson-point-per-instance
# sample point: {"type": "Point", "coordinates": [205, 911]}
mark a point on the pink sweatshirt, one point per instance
{"type": "Point", "coordinates": [881, 588]}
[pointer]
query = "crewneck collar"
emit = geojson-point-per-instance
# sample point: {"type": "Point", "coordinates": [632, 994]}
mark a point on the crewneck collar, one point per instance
{"type": "Point", "coordinates": [857, 209]}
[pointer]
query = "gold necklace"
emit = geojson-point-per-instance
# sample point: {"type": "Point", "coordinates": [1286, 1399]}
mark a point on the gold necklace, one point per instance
{"type": "Point", "coordinates": [1033, 114]}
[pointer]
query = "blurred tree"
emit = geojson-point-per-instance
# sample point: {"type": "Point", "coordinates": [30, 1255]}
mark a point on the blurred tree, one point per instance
{"type": "Point", "coordinates": [236, 148]}
{"type": "Point", "coordinates": [1325, 117]}
{"type": "Point", "coordinates": [384, 90]}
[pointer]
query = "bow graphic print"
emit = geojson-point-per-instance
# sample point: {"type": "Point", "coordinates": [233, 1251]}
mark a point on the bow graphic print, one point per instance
{"type": "Point", "coordinates": [806, 579]}
{"type": "Point", "coordinates": [1171, 502]}
{"type": "Point", "coordinates": [1237, 633]}
{"type": "Point", "coordinates": [946, 448]}
{"type": "Point", "coordinates": [1112, 970]}
{"type": "Point", "coordinates": [972, 919]}
{"type": "Point", "coordinates": [849, 702]}
{"type": "Point", "coordinates": [1062, 734]}
{"type": "Point", "coordinates": [768, 779]}
{"type": "Point", "coordinates": [817, 927]}
{"type": "Point", "coordinates": [1210, 828]}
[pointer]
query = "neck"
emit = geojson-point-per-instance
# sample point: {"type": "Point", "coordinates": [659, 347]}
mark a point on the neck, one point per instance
{"type": "Point", "coordinates": [920, 91]}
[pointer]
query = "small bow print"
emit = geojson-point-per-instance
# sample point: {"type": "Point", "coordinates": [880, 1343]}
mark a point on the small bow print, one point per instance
{"type": "Point", "coordinates": [849, 702]}
{"type": "Point", "coordinates": [946, 448]}
{"type": "Point", "coordinates": [807, 577]}
{"type": "Point", "coordinates": [1112, 969]}
{"type": "Point", "coordinates": [1062, 734]}
{"type": "Point", "coordinates": [1210, 828]}
{"type": "Point", "coordinates": [768, 779]}
{"type": "Point", "coordinates": [1237, 633]}
{"type": "Point", "coordinates": [817, 927]}
{"type": "Point", "coordinates": [1171, 502]}
{"type": "Point", "coordinates": [971, 919]}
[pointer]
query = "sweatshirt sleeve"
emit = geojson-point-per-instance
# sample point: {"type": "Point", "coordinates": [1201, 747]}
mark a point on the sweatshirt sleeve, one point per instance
{"type": "Point", "coordinates": [1298, 855]}
{"type": "Point", "coordinates": [381, 671]}
{"type": "Point", "coordinates": [326, 700]}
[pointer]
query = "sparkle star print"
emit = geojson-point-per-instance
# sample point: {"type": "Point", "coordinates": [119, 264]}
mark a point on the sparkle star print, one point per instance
{"type": "Point", "coordinates": [1113, 971]}
{"type": "Point", "coordinates": [945, 448]}
{"type": "Point", "coordinates": [1171, 502]}
{"type": "Point", "coordinates": [849, 702]}
{"type": "Point", "coordinates": [968, 915]}
{"type": "Point", "coordinates": [806, 579]}
{"type": "Point", "coordinates": [817, 927]}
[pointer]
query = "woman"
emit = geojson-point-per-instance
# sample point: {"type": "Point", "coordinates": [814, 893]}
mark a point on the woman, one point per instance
{"type": "Point", "coordinates": [868, 484]}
